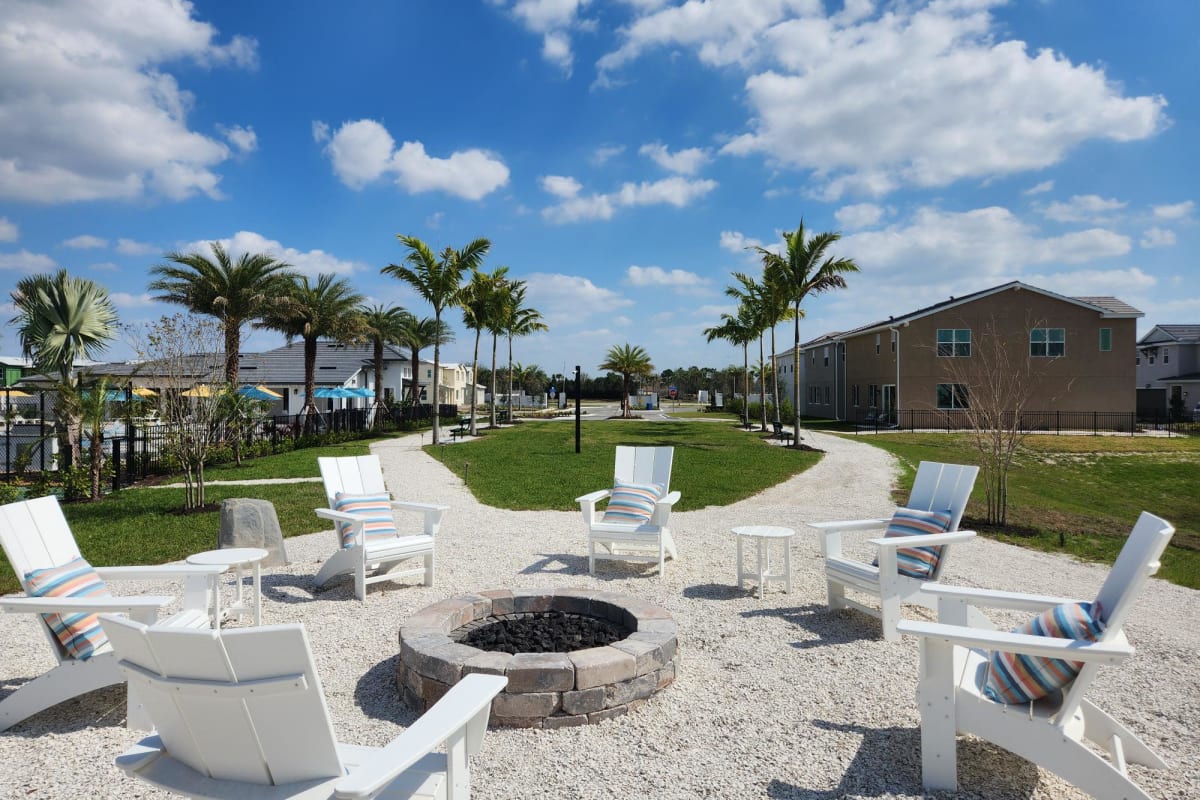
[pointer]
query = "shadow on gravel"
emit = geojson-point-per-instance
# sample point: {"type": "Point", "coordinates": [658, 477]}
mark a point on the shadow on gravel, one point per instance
{"type": "Point", "coordinates": [378, 696]}
{"type": "Point", "coordinates": [829, 627]}
{"type": "Point", "coordinates": [715, 591]}
{"type": "Point", "coordinates": [103, 708]}
{"type": "Point", "coordinates": [557, 564]}
{"type": "Point", "coordinates": [283, 588]}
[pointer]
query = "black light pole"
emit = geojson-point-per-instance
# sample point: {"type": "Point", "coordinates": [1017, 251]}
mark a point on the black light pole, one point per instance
{"type": "Point", "coordinates": [578, 392]}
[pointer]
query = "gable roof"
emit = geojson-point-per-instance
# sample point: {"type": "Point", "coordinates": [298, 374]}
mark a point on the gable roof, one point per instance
{"type": "Point", "coordinates": [336, 363]}
{"type": "Point", "coordinates": [1183, 334]}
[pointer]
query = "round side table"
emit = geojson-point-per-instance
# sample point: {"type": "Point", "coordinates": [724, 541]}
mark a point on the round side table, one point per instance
{"type": "Point", "coordinates": [236, 559]}
{"type": "Point", "coordinates": [762, 536]}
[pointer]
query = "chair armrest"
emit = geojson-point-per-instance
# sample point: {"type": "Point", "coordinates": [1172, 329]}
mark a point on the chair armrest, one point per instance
{"type": "Point", "coordinates": [669, 500]}
{"type": "Point", "coordinates": [594, 497]}
{"type": "Point", "coordinates": [158, 572]}
{"type": "Point", "coordinates": [587, 505]}
{"type": "Point", "coordinates": [69, 605]}
{"type": "Point", "coordinates": [991, 598]}
{"type": "Point", "coordinates": [433, 513]}
{"type": "Point", "coordinates": [924, 540]}
{"type": "Point", "coordinates": [338, 516]}
{"type": "Point", "coordinates": [1025, 644]}
{"type": "Point", "coordinates": [850, 525]}
{"type": "Point", "coordinates": [468, 698]}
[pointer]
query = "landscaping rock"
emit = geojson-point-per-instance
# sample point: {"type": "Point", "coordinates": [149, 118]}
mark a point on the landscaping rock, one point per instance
{"type": "Point", "coordinates": [247, 522]}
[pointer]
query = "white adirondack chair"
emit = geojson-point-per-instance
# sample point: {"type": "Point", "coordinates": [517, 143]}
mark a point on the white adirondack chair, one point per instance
{"type": "Point", "coordinates": [1051, 731]}
{"type": "Point", "coordinates": [241, 714]}
{"type": "Point", "coordinates": [35, 535]}
{"type": "Point", "coordinates": [376, 560]}
{"type": "Point", "coordinates": [937, 487]}
{"type": "Point", "coordinates": [649, 542]}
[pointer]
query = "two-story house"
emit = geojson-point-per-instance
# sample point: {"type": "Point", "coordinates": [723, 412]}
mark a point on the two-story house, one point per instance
{"type": "Point", "coordinates": [1168, 370]}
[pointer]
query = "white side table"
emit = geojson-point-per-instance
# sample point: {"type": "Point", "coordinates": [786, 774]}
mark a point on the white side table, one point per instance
{"type": "Point", "coordinates": [763, 535]}
{"type": "Point", "coordinates": [237, 559]}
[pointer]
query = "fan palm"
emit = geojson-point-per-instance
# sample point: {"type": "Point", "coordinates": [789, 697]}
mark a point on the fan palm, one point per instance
{"type": "Point", "coordinates": [324, 310]}
{"type": "Point", "coordinates": [738, 331]}
{"type": "Point", "coordinates": [438, 279]}
{"type": "Point", "coordinates": [233, 292]}
{"type": "Point", "coordinates": [802, 270]}
{"type": "Point", "coordinates": [629, 361]}
{"type": "Point", "coordinates": [382, 326]}
{"type": "Point", "coordinates": [482, 305]}
{"type": "Point", "coordinates": [519, 320]}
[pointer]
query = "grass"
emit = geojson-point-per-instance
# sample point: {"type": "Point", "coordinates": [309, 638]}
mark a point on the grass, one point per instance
{"type": "Point", "coordinates": [293, 464]}
{"type": "Point", "coordinates": [534, 465]}
{"type": "Point", "coordinates": [1082, 494]}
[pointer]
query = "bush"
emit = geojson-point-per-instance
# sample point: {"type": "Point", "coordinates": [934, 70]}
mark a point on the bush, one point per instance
{"type": "Point", "coordinates": [10, 493]}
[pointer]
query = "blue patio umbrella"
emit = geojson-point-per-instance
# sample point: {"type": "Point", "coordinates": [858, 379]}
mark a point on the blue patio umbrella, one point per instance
{"type": "Point", "coordinates": [334, 391]}
{"type": "Point", "coordinates": [259, 392]}
{"type": "Point", "coordinates": [363, 392]}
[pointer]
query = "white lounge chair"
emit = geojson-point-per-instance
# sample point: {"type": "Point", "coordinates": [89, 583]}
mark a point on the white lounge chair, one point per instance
{"type": "Point", "coordinates": [372, 558]}
{"type": "Point", "coordinates": [35, 536]}
{"type": "Point", "coordinates": [241, 713]}
{"type": "Point", "coordinates": [1049, 732]}
{"type": "Point", "coordinates": [648, 541]}
{"type": "Point", "coordinates": [937, 487]}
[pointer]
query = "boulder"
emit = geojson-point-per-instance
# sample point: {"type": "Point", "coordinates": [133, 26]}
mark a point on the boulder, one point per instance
{"type": "Point", "coordinates": [247, 522]}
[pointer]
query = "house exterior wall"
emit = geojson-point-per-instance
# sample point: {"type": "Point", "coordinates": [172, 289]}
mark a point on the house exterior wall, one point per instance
{"type": "Point", "coordinates": [1170, 366]}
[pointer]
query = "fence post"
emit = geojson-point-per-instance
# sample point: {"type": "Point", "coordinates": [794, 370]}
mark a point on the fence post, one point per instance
{"type": "Point", "coordinates": [1094, 423]}
{"type": "Point", "coordinates": [116, 461]}
{"type": "Point", "coordinates": [42, 428]}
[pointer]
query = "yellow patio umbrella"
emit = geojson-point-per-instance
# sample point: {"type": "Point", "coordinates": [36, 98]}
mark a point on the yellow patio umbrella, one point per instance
{"type": "Point", "coordinates": [142, 391]}
{"type": "Point", "coordinates": [16, 393]}
{"type": "Point", "coordinates": [203, 390]}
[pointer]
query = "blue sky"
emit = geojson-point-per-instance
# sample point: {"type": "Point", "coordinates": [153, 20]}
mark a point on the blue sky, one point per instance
{"type": "Point", "coordinates": [619, 154]}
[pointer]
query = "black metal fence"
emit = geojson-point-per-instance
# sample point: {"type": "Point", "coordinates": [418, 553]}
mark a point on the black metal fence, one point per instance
{"type": "Point", "coordinates": [1093, 423]}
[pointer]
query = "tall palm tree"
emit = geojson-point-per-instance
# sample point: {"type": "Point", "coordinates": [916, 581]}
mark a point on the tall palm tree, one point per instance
{"type": "Point", "coordinates": [804, 269]}
{"type": "Point", "coordinates": [438, 279]}
{"type": "Point", "coordinates": [752, 297]}
{"type": "Point", "coordinates": [776, 309]}
{"type": "Point", "coordinates": [482, 304]}
{"type": "Point", "coordinates": [327, 309]}
{"type": "Point", "coordinates": [233, 292]}
{"type": "Point", "coordinates": [382, 326]}
{"type": "Point", "coordinates": [738, 331]}
{"type": "Point", "coordinates": [61, 320]}
{"type": "Point", "coordinates": [417, 334]}
{"type": "Point", "coordinates": [519, 320]}
{"type": "Point", "coordinates": [628, 360]}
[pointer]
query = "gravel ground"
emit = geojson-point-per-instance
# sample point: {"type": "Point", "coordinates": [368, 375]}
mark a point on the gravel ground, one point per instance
{"type": "Point", "coordinates": [775, 698]}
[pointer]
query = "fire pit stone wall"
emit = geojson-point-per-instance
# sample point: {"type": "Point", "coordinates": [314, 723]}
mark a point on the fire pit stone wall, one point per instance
{"type": "Point", "coordinates": [545, 690]}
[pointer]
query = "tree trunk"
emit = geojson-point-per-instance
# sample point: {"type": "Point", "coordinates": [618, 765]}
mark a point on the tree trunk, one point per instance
{"type": "Point", "coordinates": [796, 375]}
{"type": "Point", "coordinates": [310, 383]}
{"type": "Point", "coordinates": [474, 372]}
{"type": "Point", "coordinates": [625, 413]}
{"type": "Point", "coordinates": [775, 377]}
{"type": "Point", "coordinates": [97, 451]}
{"type": "Point", "coordinates": [762, 384]}
{"type": "Point", "coordinates": [379, 403]}
{"type": "Point", "coordinates": [746, 382]}
{"type": "Point", "coordinates": [414, 390]}
{"type": "Point", "coordinates": [233, 342]}
{"type": "Point", "coordinates": [510, 410]}
{"type": "Point", "coordinates": [492, 418]}
{"type": "Point", "coordinates": [437, 373]}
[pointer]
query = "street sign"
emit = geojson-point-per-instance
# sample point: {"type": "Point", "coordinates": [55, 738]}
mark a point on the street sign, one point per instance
{"type": "Point", "coordinates": [672, 391]}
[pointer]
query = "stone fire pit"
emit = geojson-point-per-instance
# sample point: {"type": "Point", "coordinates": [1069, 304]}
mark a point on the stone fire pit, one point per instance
{"type": "Point", "coordinates": [545, 689]}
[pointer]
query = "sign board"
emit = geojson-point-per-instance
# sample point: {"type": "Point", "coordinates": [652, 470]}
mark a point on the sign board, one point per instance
{"type": "Point", "coordinates": [553, 393]}
{"type": "Point", "coordinates": [672, 391]}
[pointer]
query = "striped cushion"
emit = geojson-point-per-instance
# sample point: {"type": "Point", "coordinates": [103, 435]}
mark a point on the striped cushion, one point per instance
{"type": "Point", "coordinates": [376, 510]}
{"type": "Point", "coordinates": [632, 502]}
{"type": "Point", "coordinates": [80, 633]}
{"type": "Point", "coordinates": [918, 562]}
{"type": "Point", "coordinates": [1014, 678]}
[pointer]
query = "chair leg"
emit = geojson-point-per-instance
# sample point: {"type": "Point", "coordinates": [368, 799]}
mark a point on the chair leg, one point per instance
{"type": "Point", "coordinates": [591, 557]}
{"type": "Point", "coordinates": [360, 583]}
{"type": "Point", "coordinates": [429, 569]}
{"type": "Point", "coordinates": [889, 617]}
{"type": "Point", "coordinates": [835, 594]}
{"type": "Point", "coordinates": [662, 557]}
{"type": "Point", "coordinates": [936, 697]}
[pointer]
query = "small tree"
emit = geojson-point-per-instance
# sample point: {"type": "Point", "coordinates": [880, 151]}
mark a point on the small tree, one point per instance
{"type": "Point", "coordinates": [630, 361]}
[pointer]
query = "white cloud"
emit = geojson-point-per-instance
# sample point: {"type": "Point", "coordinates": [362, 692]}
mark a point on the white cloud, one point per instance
{"type": "Point", "coordinates": [678, 280]}
{"type": "Point", "coordinates": [308, 262]}
{"type": "Point", "coordinates": [860, 215]}
{"type": "Point", "coordinates": [89, 110]}
{"type": "Point", "coordinates": [567, 299]}
{"type": "Point", "coordinates": [26, 261]}
{"type": "Point", "coordinates": [1082, 208]}
{"type": "Point", "coordinates": [736, 241]}
{"type": "Point", "coordinates": [1157, 237]}
{"type": "Point", "coordinates": [363, 151]}
{"type": "Point", "coordinates": [434, 220]}
{"type": "Point", "coordinates": [1041, 188]}
{"type": "Point", "coordinates": [85, 242]}
{"type": "Point", "coordinates": [127, 300]}
{"type": "Point", "coordinates": [915, 95]}
{"type": "Point", "coordinates": [105, 266]}
{"type": "Point", "coordinates": [675, 191]}
{"type": "Point", "coordinates": [560, 185]}
{"type": "Point", "coordinates": [244, 139]}
{"type": "Point", "coordinates": [552, 19]}
{"type": "Point", "coordinates": [9, 232]}
{"type": "Point", "coordinates": [684, 162]}
{"type": "Point", "coordinates": [605, 152]}
{"type": "Point", "coordinates": [556, 48]}
{"type": "Point", "coordinates": [320, 131]}
{"type": "Point", "coordinates": [1175, 211]}
{"type": "Point", "coordinates": [130, 247]}
{"type": "Point", "coordinates": [1095, 282]}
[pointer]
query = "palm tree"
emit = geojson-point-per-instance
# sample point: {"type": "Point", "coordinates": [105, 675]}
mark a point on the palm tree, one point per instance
{"type": "Point", "coordinates": [233, 292]}
{"type": "Point", "coordinates": [482, 305]}
{"type": "Point", "coordinates": [61, 320]}
{"type": "Point", "coordinates": [382, 326]}
{"type": "Point", "coordinates": [738, 331]}
{"type": "Point", "coordinates": [752, 297]}
{"type": "Point", "coordinates": [804, 269]}
{"type": "Point", "coordinates": [629, 361]}
{"type": "Point", "coordinates": [776, 309]}
{"type": "Point", "coordinates": [519, 320]}
{"type": "Point", "coordinates": [439, 281]}
{"type": "Point", "coordinates": [324, 310]}
{"type": "Point", "coordinates": [417, 334]}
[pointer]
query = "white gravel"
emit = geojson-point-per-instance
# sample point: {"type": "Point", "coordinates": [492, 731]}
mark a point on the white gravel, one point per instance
{"type": "Point", "coordinates": [775, 698]}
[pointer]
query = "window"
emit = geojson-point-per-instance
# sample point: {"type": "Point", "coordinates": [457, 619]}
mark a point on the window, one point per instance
{"type": "Point", "coordinates": [877, 344]}
{"type": "Point", "coordinates": [1137, 360]}
{"type": "Point", "coordinates": [428, 373]}
{"type": "Point", "coordinates": [952, 395]}
{"type": "Point", "coordinates": [893, 341]}
{"type": "Point", "coordinates": [1105, 340]}
{"type": "Point", "coordinates": [826, 356]}
{"type": "Point", "coordinates": [954, 342]}
{"type": "Point", "coordinates": [812, 356]}
{"type": "Point", "coordinates": [826, 395]}
{"type": "Point", "coordinates": [1166, 357]}
{"type": "Point", "coordinates": [1151, 359]}
{"type": "Point", "coordinates": [854, 395]}
{"type": "Point", "coordinates": [872, 395]}
{"type": "Point", "coordinates": [1047, 342]}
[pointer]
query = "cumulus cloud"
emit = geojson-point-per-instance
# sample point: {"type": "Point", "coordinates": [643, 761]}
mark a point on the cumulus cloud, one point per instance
{"type": "Point", "coordinates": [363, 151]}
{"type": "Point", "coordinates": [105, 266]}
{"type": "Point", "coordinates": [605, 152]}
{"type": "Point", "coordinates": [9, 232]}
{"type": "Point", "coordinates": [736, 241]}
{"type": "Point", "coordinates": [859, 215]}
{"type": "Point", "coordinates": [553, 19]}
{"type": "Point", "coordinates": [85, 242]}
{"type": "Point", "coordinates": [320, 131]}
{"type": "Point", "coordinates": [307, 262]}
{"type": "Point", "coordinates": [1176, 211]}
{"type": "Point", "coordinates": [1082, 208]}
{"type": "Point", "coordinates": [1041, 188]}
{"type": "Point", "coordinates": [26, 261]}
{"type": "Point", "coordinates": [89, 109]}
{"type": "Point", "coordinates": [1157, 237]}
{"type": "Point", "coordinates": [566, 299]}
{"type": "Point", "coordinates": [131, 247]}
{"type": "Point", "coordinates": [684, 162]}
{"type": "Point", "coordinates": [560, 185]}
{"type": "Point", "coordinates": [1095, 282]}
{"type": "Point", "coordinates": [675, 191]}
{"type": "Point", "coordinates": [127, 300]}
{"type": "Point", "coordinates": [677, 280]}
{"type": "Point", "coordinates": [244, 139]}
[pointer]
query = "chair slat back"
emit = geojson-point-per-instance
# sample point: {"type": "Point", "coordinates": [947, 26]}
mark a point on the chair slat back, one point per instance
{"type": "Point", "coordinates": [644, 465]}
{"type": "Point", "coordinates": [1135, 564]}
{"type": "Point", "coordinates": [352, 475]}
{"type": "Point", "coordinates": [193, 684]}
{"type": "Point", "coordinates": [35, 535]}
{"type": "Point", "coordinates": [938, 487]}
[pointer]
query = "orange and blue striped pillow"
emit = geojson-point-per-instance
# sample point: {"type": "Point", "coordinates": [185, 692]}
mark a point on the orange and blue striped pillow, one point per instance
{"type": "Point", "coordinates": [79, 632]}
{"type": "Point", "coordinates": [918, 562]}
{"type": "Point", "coordinates": [632, 502]}
{"type": "Point", "coordinates": [376, 511]}
{"type": "Point", "coordinates": [1017, 678]}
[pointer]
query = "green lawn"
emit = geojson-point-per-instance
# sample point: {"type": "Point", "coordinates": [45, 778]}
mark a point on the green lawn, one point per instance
{"type": "Point", "coordinates": [293, 464]}
{"type": "Point", "coordinates": [534, 465]}
{"type": "Point", "coordinates": [1082, 494]}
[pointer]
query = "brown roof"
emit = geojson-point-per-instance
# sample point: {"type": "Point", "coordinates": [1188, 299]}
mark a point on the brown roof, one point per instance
{"type": "Point", "coordinates": [1109, 304]}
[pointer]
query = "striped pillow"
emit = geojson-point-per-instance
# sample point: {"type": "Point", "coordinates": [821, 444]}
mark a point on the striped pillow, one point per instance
{"type": "Point", "coordinates": [918, 562]}
{"type": "Point", "coordinates": [632, 502]}
{"type": "Point", "coordinates": [376, 510]}
{"type": "Point", "coordinates": [79, 632]}
{"type": "Point", "coordinates": [1015, 678]}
